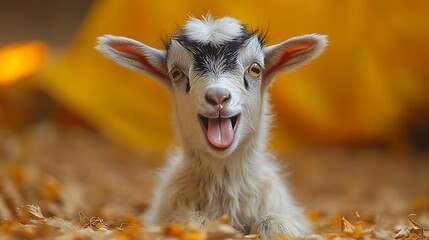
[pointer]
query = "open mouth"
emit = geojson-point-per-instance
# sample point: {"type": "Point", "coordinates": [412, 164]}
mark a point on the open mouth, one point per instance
{"type": "Point", "coordinates": [220, 131]}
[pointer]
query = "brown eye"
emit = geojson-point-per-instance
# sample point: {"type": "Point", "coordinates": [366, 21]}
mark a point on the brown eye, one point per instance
{"type": "Point", "coordinates": [176, 74]}
{"type": "Point", "coordinates": [255, 70]}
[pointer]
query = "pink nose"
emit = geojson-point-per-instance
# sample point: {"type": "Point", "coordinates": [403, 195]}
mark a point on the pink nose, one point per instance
{"type": "Point", "coordinates": [217, 96]}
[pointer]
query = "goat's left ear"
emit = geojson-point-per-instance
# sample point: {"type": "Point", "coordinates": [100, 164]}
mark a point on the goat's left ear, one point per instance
{"type": "Point", "coordinates": [292, 53]}
{"type": "Point", "coordinates": [135, 55]}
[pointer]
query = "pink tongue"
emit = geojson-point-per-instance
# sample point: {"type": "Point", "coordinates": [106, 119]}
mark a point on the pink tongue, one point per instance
{"type": "Point", "coordinates": [220, 132]}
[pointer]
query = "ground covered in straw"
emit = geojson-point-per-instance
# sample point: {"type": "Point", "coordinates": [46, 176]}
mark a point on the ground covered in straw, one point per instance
{"type": "Point", "coordinates": [58, 183]}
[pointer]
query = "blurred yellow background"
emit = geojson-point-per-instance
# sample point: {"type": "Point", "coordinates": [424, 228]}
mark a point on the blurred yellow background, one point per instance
{"type": "Point", "coordinates": [369, 88]}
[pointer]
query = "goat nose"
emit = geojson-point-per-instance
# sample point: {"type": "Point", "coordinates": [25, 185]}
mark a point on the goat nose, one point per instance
{"type": "Point", "coordinates": [217, 96]}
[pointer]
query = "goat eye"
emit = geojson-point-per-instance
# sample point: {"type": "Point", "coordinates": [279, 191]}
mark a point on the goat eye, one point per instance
{"type": "Point", "coordinates": [176, 74]}
{"type": "Point", "coordinates": [255, 70]}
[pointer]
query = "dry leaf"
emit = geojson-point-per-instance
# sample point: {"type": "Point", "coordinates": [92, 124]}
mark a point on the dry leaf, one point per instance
{"type": "Point", "coordinates": [173, 230]}
{"type": "Point", "coordinates": [402, 234]}
{"type": "Point", "coordinates": [251, 237]}
{"type": "Point", "coordinates": [83, 219]}
{"type": "Point", "coordinates": [193, 236]}
{"type": "Point", "coordinates": [61, 223]}
{"type": "Point", "coordinates": [155, 230]}
{"type": "Point", "coordinates": [221, 231]}
{"type": "Point", "coordinates": [416, 224]}
{"type": "Point", "coordinates": [102, 234]}
{"type": "Point", "coordinates": [346, 226]}
{"type": "Point", "coordinates": [418, 228]}
{"type": "Point", "coordinates": [382, 234]}
{"type": "Point", "coordinates": [97, 223]}
{"type": "Point", "coordinates": [350, 230]}
{"type": "Point", "coordinates": [30, 211]}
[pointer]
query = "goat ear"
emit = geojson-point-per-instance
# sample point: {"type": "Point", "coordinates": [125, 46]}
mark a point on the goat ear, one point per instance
{"type": "Point", "coordinates": [134, 55]}
{"type": "Point", "coordinates": [293, 53]}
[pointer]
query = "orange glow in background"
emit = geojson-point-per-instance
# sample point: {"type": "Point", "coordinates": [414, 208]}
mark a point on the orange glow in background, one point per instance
{"type": "Point", "coordinates": [21, 60]}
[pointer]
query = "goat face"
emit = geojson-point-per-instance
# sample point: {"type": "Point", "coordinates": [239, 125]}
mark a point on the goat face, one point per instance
{"type": "Point", "coordinates": [216, 89]}
{"type": "Point", "coordinates": [217, 73]}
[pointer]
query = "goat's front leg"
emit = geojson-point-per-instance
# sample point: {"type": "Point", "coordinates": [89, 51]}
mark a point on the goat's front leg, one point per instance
{"type": "Point", "coordinates": [277, 226]}
{"type": "Point", "coordinates": [190, 216]}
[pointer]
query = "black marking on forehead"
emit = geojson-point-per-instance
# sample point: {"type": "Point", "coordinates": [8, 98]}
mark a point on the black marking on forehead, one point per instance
{"type": "Point", "coordinates": [209, 56]}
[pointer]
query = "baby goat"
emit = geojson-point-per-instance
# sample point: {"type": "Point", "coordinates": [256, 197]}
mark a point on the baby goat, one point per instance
{"type": "Point", "coordinates": [218, 73]}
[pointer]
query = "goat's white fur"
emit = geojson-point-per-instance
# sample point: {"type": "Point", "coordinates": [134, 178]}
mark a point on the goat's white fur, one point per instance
{"type": "Point", "coordinates": [200, 182]}
{"type": "Point", "coordinates": [210, 30]}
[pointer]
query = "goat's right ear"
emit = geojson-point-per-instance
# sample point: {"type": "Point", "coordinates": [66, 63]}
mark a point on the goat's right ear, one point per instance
{"type": "Point", "coordinates": [134, 55]}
